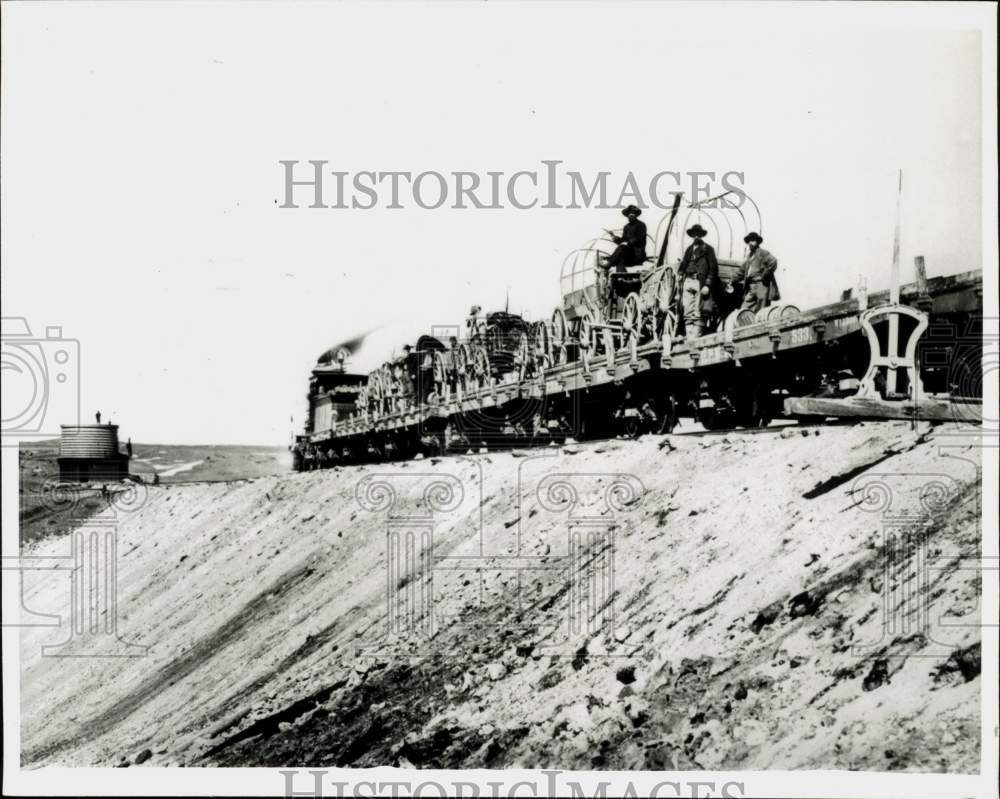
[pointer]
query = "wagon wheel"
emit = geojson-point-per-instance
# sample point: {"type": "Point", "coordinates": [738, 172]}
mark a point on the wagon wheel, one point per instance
{"type": "Point", "coordinates": [584, 338]}
{"type": "Point", "coordinates": [630, 321]}
{"type": "Point", "coordinates": [374, 391]}
{"type": "Point", "coordinates": [665, 331]}
{"type": "Point", "coordinates": [522, 355]}
{"type": "Point", "coordinates": [481, 367]}
{"type": "Point", "coordinates": [387, 387]}
{"type": "Point", "coordinates": [440, 374]}
{"type": "Point", "coordinates": [666, 291]}
{"type": "Point", "coordinates": [463, 360]}
{"type": "Point", "coordinates": [560, 332]}
{"type": "Point", "coordinates": [543, 345]}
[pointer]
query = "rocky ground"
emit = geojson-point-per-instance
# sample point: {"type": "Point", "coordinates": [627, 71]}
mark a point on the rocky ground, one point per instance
{"type": "Point", "coordinates": [780, 600]}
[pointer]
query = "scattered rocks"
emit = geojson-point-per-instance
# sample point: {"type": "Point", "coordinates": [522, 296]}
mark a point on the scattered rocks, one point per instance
{"type": "Point", "coordinates": [496, 671]}
{"type": "Point", "coordinates": [967, 662]}
{"type": "Point", "coordinates": [878, 676]}
{"type": "Point", "coordinates": [766, 616]}
{"type": "Point", "coordinates": [550, 679]}
{"type": "Point", "coordinates": [622, 633]}
{"type": "Point", "coordinates": [143, 756]}
{"type": "Point", "coordinates": [804, 604]}
{"type": "Point", "coordinates": [626, 674]}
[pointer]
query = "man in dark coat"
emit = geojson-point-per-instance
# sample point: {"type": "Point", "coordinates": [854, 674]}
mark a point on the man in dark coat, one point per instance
{"type": "Point", "coordinates": [756, 275]}
{"type": "Point", "coordinates": [631, 249]}
{"type": "Point", "coordinates": [699, 278]}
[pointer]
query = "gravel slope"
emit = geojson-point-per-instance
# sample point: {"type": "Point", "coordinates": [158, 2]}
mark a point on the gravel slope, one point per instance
{"type": "Point", "coordinates": [748, 597]}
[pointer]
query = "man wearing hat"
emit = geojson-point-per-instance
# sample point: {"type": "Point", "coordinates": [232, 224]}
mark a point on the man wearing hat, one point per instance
{"type": "Point", "coordinates": [757, 275]}
{"type": "Point", "coordinates": [631, 249]}
{"type": "Point", "coordinates": [699, 278]}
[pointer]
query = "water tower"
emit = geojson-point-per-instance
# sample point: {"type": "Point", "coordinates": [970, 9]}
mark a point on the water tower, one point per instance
{"type": "Point", "coordinates": [89, 452]}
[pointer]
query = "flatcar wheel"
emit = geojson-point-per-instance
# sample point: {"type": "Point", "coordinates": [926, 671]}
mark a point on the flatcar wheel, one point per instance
{"type": "Point", "coordinates": [670, 416]}
{"type": "Point", "coordinates": [711, 419]}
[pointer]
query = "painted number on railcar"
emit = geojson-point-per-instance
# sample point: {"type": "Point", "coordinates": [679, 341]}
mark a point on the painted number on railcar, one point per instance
{"type": "Point", "coordinates": [801, 335]}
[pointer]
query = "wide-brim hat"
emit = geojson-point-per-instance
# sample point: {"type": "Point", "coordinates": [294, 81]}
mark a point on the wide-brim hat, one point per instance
{"type": "Point", "coordinates": [752, 237]}
{"type": "Point", "coordinates": [697, 230]}
{"type": "Point", "coordinates": [632, 209]}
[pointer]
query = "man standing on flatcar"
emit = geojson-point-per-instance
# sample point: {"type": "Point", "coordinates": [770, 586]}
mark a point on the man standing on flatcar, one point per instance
{"type": "Point", "coordinates": [760, 288]}
{"type": "Point", "coordinates": [699, 276]}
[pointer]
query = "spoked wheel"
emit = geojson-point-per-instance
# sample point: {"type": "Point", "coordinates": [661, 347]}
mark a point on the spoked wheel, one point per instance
{"type": "Point", "coordinates": [463, 361]}
{"type": "Point", "coordinates": [665, 333]}
{"type": "Point", "coordinates": [543, 345]}
{"type": "Point", "coordinates": [375, 391]}
{"type": "Point", "coordinates": [584, 339]}
{"type": "Point", "coordinates": [560, 334]}
{"type": "Point", "coordinates": [481, 367]}
{"type": "Point", "coordinates": [440, 374]}
{"type": "Point", "coordinates": [522, 355]}
{"type": "Point", "coordinates": [631, 321]}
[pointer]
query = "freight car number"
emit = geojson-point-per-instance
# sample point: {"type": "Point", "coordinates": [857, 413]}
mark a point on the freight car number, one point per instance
{"type": "Point", "coordinates": [801, 335]}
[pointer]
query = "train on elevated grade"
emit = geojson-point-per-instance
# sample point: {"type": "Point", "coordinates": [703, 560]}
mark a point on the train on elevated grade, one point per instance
{"type": "Point", "coordinates": [613, 360]}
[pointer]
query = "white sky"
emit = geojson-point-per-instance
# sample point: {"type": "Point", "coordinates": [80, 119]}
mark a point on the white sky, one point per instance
{"type": "Point", "coordinates": [140, 149]}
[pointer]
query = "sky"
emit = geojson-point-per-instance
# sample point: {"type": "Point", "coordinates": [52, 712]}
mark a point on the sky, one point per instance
{"type": "Point", "coordinates": [141, 184]}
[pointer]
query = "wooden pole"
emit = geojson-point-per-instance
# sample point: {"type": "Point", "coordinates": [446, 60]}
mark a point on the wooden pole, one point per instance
{"type": "Point", "coordinates": [894, 275]}
{"type": "Point", "coordinates": [924, 301]}
{"type": "Point", "coordinates": [921, 273]}
{"type": "Point", "coordinates": [892, 383]}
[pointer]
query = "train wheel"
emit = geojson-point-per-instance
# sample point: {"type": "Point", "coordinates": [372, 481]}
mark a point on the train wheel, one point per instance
{"type": "Point", "coordinates": [755, 408]}
{"type": "Point", "coordinates": [670, 415]}
{"type": "Point", "coordinates": [710, 419]}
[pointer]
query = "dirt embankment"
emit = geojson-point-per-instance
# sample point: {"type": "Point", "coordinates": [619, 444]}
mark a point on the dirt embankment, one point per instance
{"type": "Point", "coordinates": [781, 600]}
